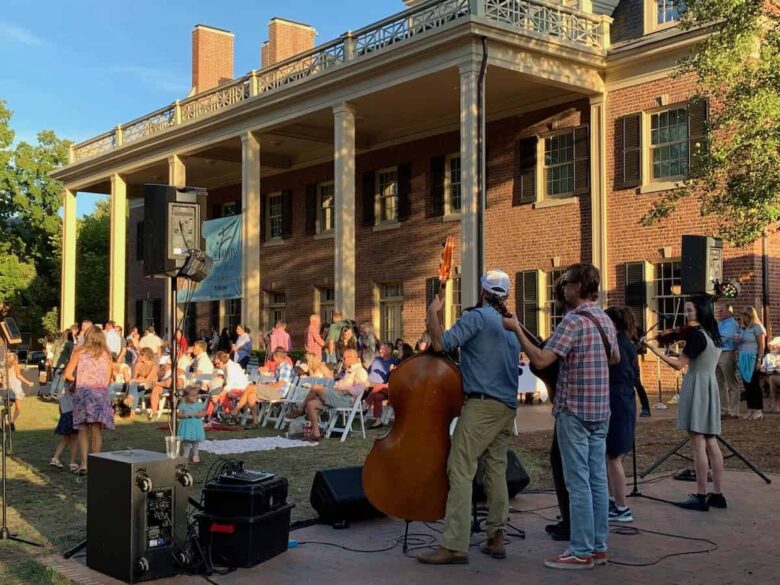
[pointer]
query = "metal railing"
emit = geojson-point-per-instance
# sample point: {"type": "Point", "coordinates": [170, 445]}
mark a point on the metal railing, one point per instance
{"type": "Point", "coordinates": [533, 16]}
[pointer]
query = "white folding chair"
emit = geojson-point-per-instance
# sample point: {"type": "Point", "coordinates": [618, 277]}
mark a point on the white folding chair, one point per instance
{"type": "Point", "coordinates": [297, 396]}
{"type": "Point", "coordinates": [348, 414]}
{"type": "Point", "coordinates": [280, 405]}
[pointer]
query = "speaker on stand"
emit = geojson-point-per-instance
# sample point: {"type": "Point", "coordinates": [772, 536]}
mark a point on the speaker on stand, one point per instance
{"type": "Point", "coordinates": [701, 265]}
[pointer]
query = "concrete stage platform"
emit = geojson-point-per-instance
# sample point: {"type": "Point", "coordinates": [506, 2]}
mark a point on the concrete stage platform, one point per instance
{"type": "Point", "coordinates": [745, 537]}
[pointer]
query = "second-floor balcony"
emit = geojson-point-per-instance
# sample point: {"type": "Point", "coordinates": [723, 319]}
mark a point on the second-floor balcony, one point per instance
{"type": "Point", "coordinates": [536, 19]}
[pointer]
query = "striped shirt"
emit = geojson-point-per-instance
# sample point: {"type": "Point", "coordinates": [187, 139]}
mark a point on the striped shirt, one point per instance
{"type": "Point", "coordinates": [583, 380]}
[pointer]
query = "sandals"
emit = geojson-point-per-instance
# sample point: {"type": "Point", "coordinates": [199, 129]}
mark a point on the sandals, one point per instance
{"type": "Point", "coordinates": [56, 463]}
{"type": "Point", "coordinates": [73, 467]}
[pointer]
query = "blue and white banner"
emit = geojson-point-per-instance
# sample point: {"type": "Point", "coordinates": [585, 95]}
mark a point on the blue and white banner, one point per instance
{"type": "Point", "coordinates": [223, 246]}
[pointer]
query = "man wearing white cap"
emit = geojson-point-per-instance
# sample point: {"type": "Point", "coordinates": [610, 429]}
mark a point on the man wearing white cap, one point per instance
{"type": "Point", "coordinates": [488, 362]}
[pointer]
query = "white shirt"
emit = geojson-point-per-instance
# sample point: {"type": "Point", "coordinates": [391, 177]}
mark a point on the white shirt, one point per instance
{"type": "Point", "coordinates": [152, 342]}
{"type": "Point", "coordinates": [235, 377]}
{"type": "Point", "coordinates": [113, 341]}
{"type": "Point", "coordinates": [202, 369]}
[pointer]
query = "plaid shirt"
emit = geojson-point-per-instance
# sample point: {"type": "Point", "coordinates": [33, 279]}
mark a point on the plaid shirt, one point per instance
{"type": "Point", "coordinates": [583, 381]}
{"type": "Point", "coordinates": [284, 373]}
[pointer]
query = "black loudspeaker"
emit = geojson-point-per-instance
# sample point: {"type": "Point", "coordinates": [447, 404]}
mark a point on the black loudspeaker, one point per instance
{"type": "Point", "coordinates": [337, 496]}
{"type": "Point", "coordinates": [516, 477]}
{"type": "Point", "coordinates": [136, 514]}
{"type": "Point", "coordinates": [172, 221]}
{"type": "Point", "coordinates": [701, 264]}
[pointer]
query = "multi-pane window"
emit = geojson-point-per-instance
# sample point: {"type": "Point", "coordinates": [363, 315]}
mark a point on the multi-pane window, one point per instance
{"type": "Point", "coordinates": [276, 307]}
{"type": "Point", "coordinates": [554, 314]}
{"type": "Point", "coordinates": [453, 184]}
{"type": "Point", "coordinates": [668, 305]}
{"type": "Point", "coordinates": [667, 11]}
{"type": "Point", "coordinates": [275, 216]}
{"type": "Point", "coordinates": [232, 314]}
{"type": "Point", "coordinates": [559, 163]}
{"type": "Point", "coordinates": [391, 311]}
{"type": "Point", "coordinates": [669, 143]}
{"type": "Point", "coordinates": [455, 306]}
{"type": "Point", "coordinates": [325, 207]}
{"type": "Point", "coordinates": [232, 208]}
{"type": "Point", "coordinates": [327, 304]}
{"type": "Point", "coordinates": [387, 198]}
{"type": "Point", "coordinates": [147, 319]}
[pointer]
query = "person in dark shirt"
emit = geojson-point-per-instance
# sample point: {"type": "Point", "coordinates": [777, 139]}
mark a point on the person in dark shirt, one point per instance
{"type": "Point", "coordinates": [378, 377]}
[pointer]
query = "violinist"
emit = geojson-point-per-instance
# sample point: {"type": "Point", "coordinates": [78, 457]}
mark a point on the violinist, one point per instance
{"type": "Point", "coordinates": [488, 364]}
{"type": "Point", "coordinates": [698, 411]}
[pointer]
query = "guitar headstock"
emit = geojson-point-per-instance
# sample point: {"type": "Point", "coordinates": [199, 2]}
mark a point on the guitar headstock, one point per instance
{"type": "Point", "coordinates": [445, 266]}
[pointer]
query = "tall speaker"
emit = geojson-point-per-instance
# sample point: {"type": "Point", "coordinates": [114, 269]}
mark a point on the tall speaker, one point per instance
{"type": "Point", "coordinates": [337, 496]}
{"type": "Point", "coordinates": [136, 514]}
{"type": "Point", "coordinates": [701, 264]}
{"type": "Point", "coordinates": [172, 222]}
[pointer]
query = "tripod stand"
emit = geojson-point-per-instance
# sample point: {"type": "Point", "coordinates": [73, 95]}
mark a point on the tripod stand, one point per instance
{"type": "Point", "coordinates": [7, 445]}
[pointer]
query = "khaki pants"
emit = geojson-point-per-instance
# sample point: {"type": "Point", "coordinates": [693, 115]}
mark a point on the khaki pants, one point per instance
{"type": "Point", "coordinates": [484, 426]}
{"type": "Point", "coordinates": [726, 374]}
{"type": "Point", "coordinates": [267, 393]}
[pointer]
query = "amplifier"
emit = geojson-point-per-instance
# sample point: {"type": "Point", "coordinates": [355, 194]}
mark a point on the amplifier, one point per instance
{"type": "Point", "coordinates": [136, 514]}
{"type": "Point", "coordinates": [228, 497]}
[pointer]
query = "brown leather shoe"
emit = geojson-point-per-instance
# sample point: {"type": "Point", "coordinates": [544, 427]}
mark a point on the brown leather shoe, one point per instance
{"type": "Point", "coordinates": [494, 546]}
{"type": "Point", "coordinates": [444, 556]}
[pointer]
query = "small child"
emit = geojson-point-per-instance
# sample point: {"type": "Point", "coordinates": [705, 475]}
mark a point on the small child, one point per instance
{"type": "Point", "coordinates": [68, 435]}
{"type": "Point", "coordinates": [15, 381]}
{"type": "Point", "coordinates": [191, 423]}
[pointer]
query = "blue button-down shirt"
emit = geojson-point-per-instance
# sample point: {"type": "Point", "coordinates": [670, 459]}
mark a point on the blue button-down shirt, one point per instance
{"type": "Point", "coordinates": [728, 329]}
{"type": "Point", "coordinates": [489, 354]}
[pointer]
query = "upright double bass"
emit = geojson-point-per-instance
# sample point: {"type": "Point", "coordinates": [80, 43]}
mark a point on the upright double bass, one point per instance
{"type": "Point", "coordinates": [405, 473]}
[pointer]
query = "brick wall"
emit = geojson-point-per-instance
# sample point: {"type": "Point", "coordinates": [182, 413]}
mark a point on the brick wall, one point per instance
{"type": "Point", "coordinates": [212, 57]}
{"type": "Point", "coordinates": [286, 39]}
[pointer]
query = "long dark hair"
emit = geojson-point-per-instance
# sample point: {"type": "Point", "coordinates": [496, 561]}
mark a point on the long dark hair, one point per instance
{"type": "Point", "coordinates": [495, 301]}
{"type": "Point", "coordinates": [706, 317]}
{"type": "Point", "coordinates": [623, 318]}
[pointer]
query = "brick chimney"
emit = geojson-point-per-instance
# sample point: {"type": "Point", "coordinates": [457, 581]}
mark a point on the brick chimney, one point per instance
{"type": "Point", "coordinates": [212, 57]}
{"type": "Point", "coordinates": [286, 39]}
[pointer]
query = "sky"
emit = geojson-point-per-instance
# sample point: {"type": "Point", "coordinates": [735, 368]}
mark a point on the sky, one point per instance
{"type": "Point", "coordinates": [82, 67]}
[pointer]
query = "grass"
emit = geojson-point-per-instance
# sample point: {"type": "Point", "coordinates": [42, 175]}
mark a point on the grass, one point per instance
{"type": "Point", "coordinates": [48, 505]}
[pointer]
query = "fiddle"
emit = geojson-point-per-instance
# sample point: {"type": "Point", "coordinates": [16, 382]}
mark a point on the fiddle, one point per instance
{"type": "Point", "coordinates": [669, 337]}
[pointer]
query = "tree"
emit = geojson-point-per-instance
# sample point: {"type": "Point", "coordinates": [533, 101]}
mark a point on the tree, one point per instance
{"type": "Point", "coordinates": [92, 251]}
{"type": "Point", "coordinates": [737, 175]}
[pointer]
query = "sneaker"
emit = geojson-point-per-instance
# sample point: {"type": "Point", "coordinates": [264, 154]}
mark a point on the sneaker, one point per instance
{"type": "Point", "coordinates": [645, 412]}
{"type": "Point", "coordinates": [716, 501]}
{"type": "Point", "coordinates": [568, 560]}
{"type": "Point", "coordinates": [558, 532]}
{"type": "Point", "coordinates": [695, 502]}
{"type": "Point", "coordinates": [600, 558]}
{"type": "Point", "coordinates": [612, 506]}
{"type": "Point", "coordinates": [621, 515]}
{"type": "Point", "coordinates": [674, 399]}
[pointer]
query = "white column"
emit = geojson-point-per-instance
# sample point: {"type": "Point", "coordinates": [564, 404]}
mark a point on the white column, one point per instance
{"type": "Point", "coordinates": [250, 232]}
{"type": "Point", "coordinates": [469, 156]}
{"type": "Point", "coordinates": [177, 176]}
{"type": "Point", "coordinates": [116, 280]}
{"type": "Point", "coordinates": [598, 191]}
{"type": "Point", "coordinates": [344, 183]}
{"type": "Point", "coordinates": [68, 275]}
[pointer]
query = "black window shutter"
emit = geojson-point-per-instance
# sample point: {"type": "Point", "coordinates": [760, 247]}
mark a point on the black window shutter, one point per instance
{"type": "Point", "coordinates": [157, 317]}
{"type": "Point", "coordinates": [527, 299]}
{"type": "Point", "coordinates": [524, 190]}
{"type": "Point", "coordinates": [311, 210]}
{"type": "Point", "coordinates": [139, 315]}
{"type": "Point", "coordinates": [368, 196]}
{"type": "Point", "coordinates": [698, 112]}
{"type": "Point", "coordinates": [404, 191]}
{"type": "Point", "coordinates": [435, 206]}
{"type": "Point", "coordinates": [263, 219]}
{"type": "Point", "coordinates": [287, 215]}
{"type": "Point", "coordinates": [636, 292]}
{"type": "Point", "coordinates": [630, 131]}
{"type": "Point", "coordinates": [432, 286]}
{"type": "Point", "coordinates": [139, 241]}
{"type": "Point", "coordinates": [581, 160]}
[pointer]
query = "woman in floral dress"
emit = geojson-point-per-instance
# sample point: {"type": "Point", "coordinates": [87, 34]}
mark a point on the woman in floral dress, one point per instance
{"type": "Point", "coordinates": [90, 367]}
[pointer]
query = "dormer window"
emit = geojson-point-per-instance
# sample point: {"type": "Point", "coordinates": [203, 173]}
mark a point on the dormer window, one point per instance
{"type": "Point", "coordinates": [662, 14]}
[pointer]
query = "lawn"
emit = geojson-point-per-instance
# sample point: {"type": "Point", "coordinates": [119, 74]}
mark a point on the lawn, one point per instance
{"type": "Point", "coordinates": [48, 505]}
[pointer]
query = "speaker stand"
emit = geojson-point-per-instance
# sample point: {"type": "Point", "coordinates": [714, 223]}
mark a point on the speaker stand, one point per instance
{"type": "Point", "coordinates": [405, 547]}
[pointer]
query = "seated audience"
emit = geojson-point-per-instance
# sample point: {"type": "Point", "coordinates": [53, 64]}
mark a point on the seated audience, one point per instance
{"type": "Point", "coordinates": [236, 383]}
{"type": "Point", "coordinates": [316, 368]}
{"type": "Point", "coordinates": [144, 378]}
{"type": "Point", "coordinates": [378, 377]}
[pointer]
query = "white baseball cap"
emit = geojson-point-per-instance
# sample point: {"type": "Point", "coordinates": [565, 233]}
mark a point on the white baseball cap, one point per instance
{"type": "Point", "coordinates": [496, 282]}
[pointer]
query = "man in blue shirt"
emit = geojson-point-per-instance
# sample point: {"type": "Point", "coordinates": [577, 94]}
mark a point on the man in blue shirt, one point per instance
{"type": "Point", "coordinates": [488, 362]}
{"type": "Point", "coordinates": [378, 378]}
{"type": "Point", "coordinates": [726, 372]}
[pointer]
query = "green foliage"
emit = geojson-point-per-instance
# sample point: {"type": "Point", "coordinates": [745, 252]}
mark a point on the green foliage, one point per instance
{"type": "Point", "coordinates": [92, 254]}
{"type": "Point", "coordinates": [15, 276]}
{"type": "Point", "coordinates": [51, 322]}
{"type": "Point", "coordinates": [738, 68]}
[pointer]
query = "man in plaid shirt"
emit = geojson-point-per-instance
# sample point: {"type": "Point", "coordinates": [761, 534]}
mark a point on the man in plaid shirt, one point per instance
{"type": "Point", "coordinates": [582, 411]}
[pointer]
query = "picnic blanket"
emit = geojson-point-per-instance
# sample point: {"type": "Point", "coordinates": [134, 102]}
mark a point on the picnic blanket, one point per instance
{"type": "Point", "coordinates": [228, 446]}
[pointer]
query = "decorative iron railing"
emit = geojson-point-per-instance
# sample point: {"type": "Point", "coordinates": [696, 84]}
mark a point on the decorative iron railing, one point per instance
{"type": "Point", "coordinates": [532, 16]}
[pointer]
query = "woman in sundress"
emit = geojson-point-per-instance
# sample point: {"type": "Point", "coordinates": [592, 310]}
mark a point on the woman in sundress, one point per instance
{"type": "Point", "coordinates": [90, 368]}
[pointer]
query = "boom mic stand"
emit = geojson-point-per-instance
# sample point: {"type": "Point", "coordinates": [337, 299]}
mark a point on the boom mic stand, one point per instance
{"type": "Point", "coordinates": [5, 423]}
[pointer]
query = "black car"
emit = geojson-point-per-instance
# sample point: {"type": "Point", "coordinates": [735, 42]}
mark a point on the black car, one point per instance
{"type": "Point", "coordinates": [37, 358]}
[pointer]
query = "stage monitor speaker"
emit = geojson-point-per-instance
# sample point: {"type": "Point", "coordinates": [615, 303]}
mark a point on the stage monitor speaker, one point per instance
{"type": "Point", "coordinates": [136, 514]}
{"type": "Point", "coordinates": [337, 496]}
{"type": "Point", "coordinates": [172, 226]}
{"type": "Point", "coordinates": [701, 264]}
{"type": "Point", "coordinates": [516, 477]}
